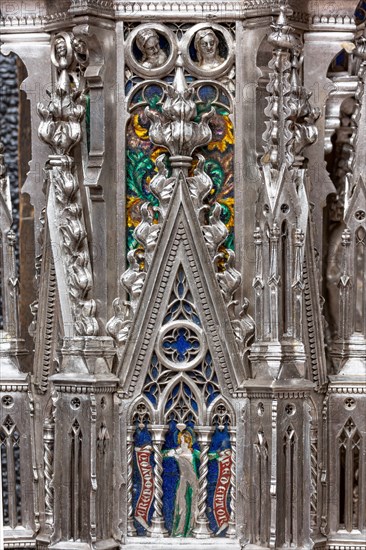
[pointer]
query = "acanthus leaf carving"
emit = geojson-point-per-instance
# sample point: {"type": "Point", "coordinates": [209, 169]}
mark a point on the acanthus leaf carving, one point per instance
{"type": "Point", "coordinates": [162, 186]}
{"type": "Point", "coordinates": [244, 328]}
{"type": "Point", "coordinates": [61, 119]}
{"type": "Point", "coordinates": [230, 279]}
{"type": "Point", "coordinates": [200, 184]}
{"type": "Point", "coordinates": [175, 128]}
{"type": "Point", "coordinates": [61, 129]}
{"type": "Point", "coordinates": [118, 326]}
{"type": "Point", "coordinates": [147, 233]}
{"type": "Point", "coordinates": [216, 232]}
{"type": "Point", "coordinates": [133, 279]}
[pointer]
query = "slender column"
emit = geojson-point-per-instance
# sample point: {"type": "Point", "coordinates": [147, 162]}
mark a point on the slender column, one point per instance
{"type": "Point", "coordinates": [76, 483]}
{"type": "Point", "coordinates": [348, 497]}
{"type": "Point", "coordinates": [298, 286]}
{"type": "Point", "coordinates": [274, 281]}
{"type": "Point", "coordinates": [48, 440]}
{"type": "Point", "coordinates": [231, 532]}
{"type": "Point", "coordinates": [295, 496]}
{"type": "Point", "coordinates": [258, 284]}
{"type": "Point", "coordinates": [11, 320]}
{"type": "Point", "coordinates": [314, 477]}
{"type": "Point", "coordinates": [257, 492]}
{"type": "Point", "coordinates": [263, 490]}
{"type": "Point", "coordinates": [344, 285]}
{"type": "Point", "coordinates": [202, 529]}
{"type": "Point", "coordinates": [273, 486]}
{"type": "Point", "coordinates": [11, 480]}
{"type": "Point", "coordinates": [288, 491]}
{"type": "Point", "coordinates": [131, 531]}
{"type": "Point", "coordinates": [158, 528]}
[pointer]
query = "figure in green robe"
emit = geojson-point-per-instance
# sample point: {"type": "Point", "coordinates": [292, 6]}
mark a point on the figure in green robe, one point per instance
{"type": "Point", "coordinates": [185, 508]}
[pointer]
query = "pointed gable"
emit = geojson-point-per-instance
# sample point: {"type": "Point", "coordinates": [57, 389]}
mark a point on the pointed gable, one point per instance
{"type": "Point", "coordinates": [181, 246]}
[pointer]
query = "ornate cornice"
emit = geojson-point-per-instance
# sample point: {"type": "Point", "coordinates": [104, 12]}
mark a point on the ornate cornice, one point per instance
{"type": "Point", "coordinates": [101, 8]}
{"type": "Point", "coordinates": [90, 4]}
{"type": "Point", "coordinates": [21, 386]}
{"type": "Point", "coordinates": [84, 388]}
{"type": "Point", "coordinates": [347, 546]}
{"type": "Point", "coordinates": [194, 10]}
{"type": "Point", "coordinates": [324, 22]}
{"type": "Point", "coordinates": [277, 394]}
{"type": "Point", "coordinates": [29, 543]}
{"type": "Point", "coordinates": [31, 23]}
{"type": "Point", "coordinates": [259, 389]}
{"type": "Point", "coordinates": [137, 10]}
{"type": "Point", "coordinates": [342, 388]}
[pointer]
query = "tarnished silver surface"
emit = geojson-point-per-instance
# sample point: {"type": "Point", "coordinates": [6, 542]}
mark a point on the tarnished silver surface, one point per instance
{"type": "Point", "coordinates": [274, 327]}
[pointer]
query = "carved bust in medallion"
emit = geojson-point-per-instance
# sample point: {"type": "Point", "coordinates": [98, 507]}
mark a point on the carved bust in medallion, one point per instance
{"type": "Point", "coordinates": [206, 44]}
{"type": "Point", "coordinates": [153, 56]}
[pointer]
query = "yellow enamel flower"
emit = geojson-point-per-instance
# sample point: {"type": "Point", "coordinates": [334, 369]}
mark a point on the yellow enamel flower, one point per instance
{"type": "Point", "coordinates": [158, 151]}
{"type": "Point", "coordinates": [131, 203]}
{"type": "Point", "coordinates": [222, 126]}
{"type": "Point", "coordinates": [140, 131]}
{"type": "Point", "coordinates": [229, 203]}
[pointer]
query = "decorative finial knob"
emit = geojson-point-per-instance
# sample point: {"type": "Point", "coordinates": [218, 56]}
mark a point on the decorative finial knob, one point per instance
{"type": "Point", "coordinates": [282, 18]}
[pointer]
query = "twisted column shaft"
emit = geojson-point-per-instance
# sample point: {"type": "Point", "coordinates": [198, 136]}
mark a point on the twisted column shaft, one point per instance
{"type": "Point", "coordinates": [48, 455]}
{"type": "Point", "coordinates": [231, 532]}
{"type": "Point", "coordinates": [202, 529]}
{"type": "Point", "coordinates": [158, 528]}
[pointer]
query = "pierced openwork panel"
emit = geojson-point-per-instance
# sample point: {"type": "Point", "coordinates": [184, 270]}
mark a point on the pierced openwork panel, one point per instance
{"type": "Point", "coordinates": [181, 347]}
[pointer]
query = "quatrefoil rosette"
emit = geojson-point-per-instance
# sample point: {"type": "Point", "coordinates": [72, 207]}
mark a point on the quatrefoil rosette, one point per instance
{"type": "Point", "coordinates": [181, 345]}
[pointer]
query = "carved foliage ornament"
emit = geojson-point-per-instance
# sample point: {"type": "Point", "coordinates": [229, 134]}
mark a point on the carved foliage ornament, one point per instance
{"type": "Point", "coordinates": [61, 128]}
{"type": "Point", "coordinates": [175, 127]}
{"type": "Point", "coordinates": [61, 119]}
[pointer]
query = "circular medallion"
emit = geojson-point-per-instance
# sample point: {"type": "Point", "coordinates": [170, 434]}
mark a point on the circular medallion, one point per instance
{"type": "Point", "coordinates": [181, 345]}
{"type": "Point", "coordinates": [208, 50]}
{"type": "Point", "coordinates": [151, 50]}
{"type": "Point", "coordinates": [61, 50]}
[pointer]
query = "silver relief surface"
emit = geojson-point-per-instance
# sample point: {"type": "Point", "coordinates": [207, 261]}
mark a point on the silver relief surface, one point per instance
{"type": "Point", "coordinates": [197, 199]}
